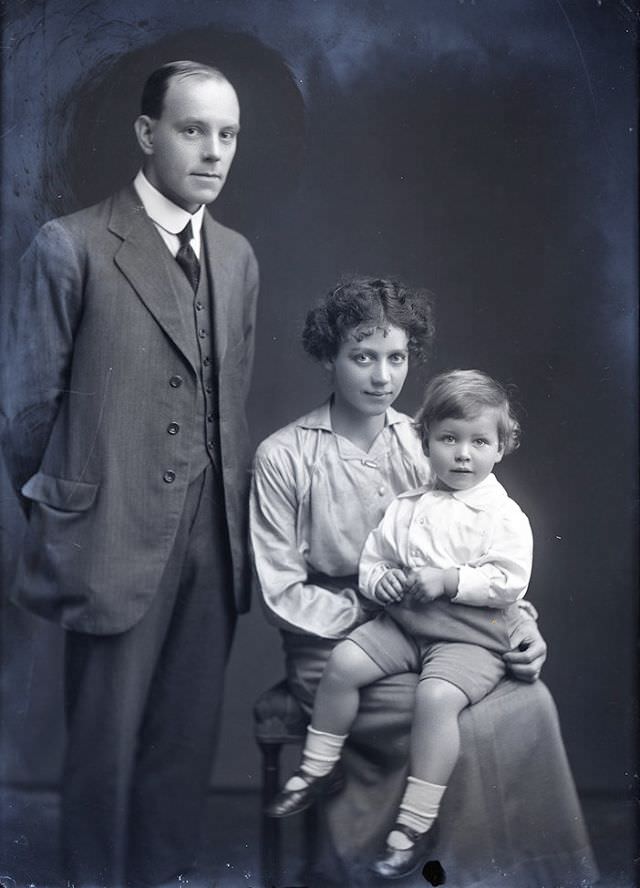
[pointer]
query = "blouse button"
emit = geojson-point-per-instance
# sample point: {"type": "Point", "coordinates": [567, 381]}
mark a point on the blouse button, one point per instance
{"type": "Point", "coordinates": [381, 491]}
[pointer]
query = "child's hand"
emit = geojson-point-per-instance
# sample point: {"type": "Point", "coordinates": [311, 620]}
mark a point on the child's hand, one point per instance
{"type": "Point", "coordinates": [391, 587]}
{"type": "Point", "coordinates": [426, 583]}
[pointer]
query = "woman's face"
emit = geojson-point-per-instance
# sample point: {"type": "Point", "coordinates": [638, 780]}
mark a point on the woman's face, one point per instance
{"type": "Point", "coordinates": [370, 369]}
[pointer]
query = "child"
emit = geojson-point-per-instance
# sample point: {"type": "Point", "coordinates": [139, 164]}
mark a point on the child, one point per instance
{"type": "Point", "coordinates": [447, 561]}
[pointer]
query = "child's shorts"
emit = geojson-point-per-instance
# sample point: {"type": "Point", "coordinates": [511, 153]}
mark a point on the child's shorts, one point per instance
{"type": "Point", "coordinates": [473, 669]}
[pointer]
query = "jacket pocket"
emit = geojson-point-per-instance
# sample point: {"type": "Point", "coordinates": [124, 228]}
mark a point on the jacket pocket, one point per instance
{"type": "Point", "coordinates": [60, 493]}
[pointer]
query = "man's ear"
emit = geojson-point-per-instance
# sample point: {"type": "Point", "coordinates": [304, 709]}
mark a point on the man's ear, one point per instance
{"type": "Point", "coordinates": [328, 365]}
{"type": "Point", "coordinates": [144, 127]}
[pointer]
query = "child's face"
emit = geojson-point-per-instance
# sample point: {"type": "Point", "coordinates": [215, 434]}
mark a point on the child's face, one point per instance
{"type": "Point", "coordinates": [369, 370]}
{"type": "Point", "coordinates": [463, 452]}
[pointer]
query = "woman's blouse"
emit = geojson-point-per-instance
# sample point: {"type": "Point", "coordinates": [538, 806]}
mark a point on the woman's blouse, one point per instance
{"type": "Point", "coordinates": [315, 497]}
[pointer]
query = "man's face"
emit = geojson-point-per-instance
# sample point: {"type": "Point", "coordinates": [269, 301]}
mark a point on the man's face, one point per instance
{"type": "Point", "coordinates": [189, 149]}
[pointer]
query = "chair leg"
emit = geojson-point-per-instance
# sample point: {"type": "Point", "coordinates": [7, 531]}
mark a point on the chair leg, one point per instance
{"type": "Point", "coordinates": [270, 826]}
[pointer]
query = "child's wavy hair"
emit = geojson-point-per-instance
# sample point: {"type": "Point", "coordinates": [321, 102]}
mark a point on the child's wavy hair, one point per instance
{"type": "Point", "coordinates": [376, 302]}
{"type": "Point", "coordinates": [462, 394]}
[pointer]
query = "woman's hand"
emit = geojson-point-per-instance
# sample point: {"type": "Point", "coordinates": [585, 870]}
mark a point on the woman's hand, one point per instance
{"type": "Point", "coordinates": [391, 587]}
{"type": "Point", "coordinates": [528, 653]}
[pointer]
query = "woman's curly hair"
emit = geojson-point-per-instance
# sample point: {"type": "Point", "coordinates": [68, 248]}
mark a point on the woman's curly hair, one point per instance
{"type": "Point", "coordinates": [361, 301]}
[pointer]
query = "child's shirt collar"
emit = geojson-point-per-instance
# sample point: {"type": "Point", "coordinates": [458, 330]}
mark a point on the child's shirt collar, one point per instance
{"type": "Point", "coordinates": [486, 495]}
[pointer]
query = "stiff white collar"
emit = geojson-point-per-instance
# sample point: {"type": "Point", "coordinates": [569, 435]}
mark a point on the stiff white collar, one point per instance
{"type": "Point", "coordinates": [166, 215]}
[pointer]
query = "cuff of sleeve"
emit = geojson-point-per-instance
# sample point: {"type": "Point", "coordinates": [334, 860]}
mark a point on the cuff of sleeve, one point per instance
{"type": "Point", "coordinates": [375, 575]}
{"type": "Point", "coordinates": [473, 588]}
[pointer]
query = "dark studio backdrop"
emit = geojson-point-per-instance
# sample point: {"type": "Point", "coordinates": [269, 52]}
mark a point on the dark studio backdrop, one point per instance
{"type": "Point", "coordinates": [486, 150]}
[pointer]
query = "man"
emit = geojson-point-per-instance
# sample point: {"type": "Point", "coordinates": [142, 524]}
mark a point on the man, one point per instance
{"type": "Point", "coordinates": [130, 347]}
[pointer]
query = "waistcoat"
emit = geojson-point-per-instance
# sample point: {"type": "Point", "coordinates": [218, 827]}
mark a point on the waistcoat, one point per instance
{"type": "Point", "coordinates": [197, 314]}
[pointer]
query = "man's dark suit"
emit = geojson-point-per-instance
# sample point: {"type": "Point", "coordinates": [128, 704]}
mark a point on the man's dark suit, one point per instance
{"type": "Point", "coordinates": [99, 397]}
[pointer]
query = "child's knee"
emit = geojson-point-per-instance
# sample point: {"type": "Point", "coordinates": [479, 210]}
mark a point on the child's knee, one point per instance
{"type": "Point", "coordinates": [346, 662]}
{"type": "Point", "coordinates": [435, 693]}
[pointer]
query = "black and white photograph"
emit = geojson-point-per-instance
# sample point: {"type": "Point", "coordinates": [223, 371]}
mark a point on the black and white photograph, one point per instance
{"type": "Point", "coordinates": [318, 444]}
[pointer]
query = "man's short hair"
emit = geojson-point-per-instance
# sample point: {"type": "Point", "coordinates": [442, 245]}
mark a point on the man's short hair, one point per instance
{"type": "Point", "coordinates": [155, 88]}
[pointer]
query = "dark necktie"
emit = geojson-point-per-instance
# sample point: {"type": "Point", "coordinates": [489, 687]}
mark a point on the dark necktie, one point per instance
{"type": "Point", "coordinates": [186, 258]}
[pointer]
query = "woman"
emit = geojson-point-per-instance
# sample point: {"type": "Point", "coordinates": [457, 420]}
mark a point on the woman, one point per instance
{"type": "Point", "coordinates": [320, 485]}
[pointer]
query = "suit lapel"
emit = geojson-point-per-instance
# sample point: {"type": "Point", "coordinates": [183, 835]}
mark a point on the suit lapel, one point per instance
{"type": "Point", "coordinates": [142, 259]}
{"type": "Point", "coordinates": [219, 269]}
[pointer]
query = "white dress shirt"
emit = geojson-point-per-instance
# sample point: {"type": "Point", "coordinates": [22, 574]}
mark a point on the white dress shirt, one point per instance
{"type": "Point", "coordinates": [481, 531]}
{"type": "Point", "coordinates": [168, 217]}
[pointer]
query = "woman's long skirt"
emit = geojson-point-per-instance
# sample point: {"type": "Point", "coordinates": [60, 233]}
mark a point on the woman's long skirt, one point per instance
{"type": "Point", "coordinates": [510, 816]}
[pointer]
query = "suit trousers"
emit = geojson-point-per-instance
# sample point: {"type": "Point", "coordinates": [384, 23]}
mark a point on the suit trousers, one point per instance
{"type": "Point", "coordinates": [143, 710]}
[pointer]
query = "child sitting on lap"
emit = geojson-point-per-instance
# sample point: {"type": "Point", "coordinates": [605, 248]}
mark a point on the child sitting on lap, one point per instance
{"type": "Point", "coordinates": [447, 562]}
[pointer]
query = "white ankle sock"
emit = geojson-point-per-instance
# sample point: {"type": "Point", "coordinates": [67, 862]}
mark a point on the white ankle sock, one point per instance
{"type": "Point", "coordinates": [418, 809]}
{"type": "Point", "coordinates": [321, 752]}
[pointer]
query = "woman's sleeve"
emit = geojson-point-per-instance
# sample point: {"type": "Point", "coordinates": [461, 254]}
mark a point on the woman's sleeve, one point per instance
{"type": "Point", "coordinates": [501, 575]}
{"type": "Point", "coordinates": [291, 601]}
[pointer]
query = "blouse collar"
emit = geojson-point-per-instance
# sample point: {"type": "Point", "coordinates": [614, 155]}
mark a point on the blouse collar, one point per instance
{"type": "Point", "coordinates": [320, 418]}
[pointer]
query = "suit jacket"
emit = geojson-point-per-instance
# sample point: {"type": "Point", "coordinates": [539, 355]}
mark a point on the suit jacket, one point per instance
{"type": "Point", "coordinates": [96, 365]}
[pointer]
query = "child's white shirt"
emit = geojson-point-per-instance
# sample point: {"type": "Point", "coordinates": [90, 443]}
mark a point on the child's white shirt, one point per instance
{"type": "Point", "coordinates": [480, 531]}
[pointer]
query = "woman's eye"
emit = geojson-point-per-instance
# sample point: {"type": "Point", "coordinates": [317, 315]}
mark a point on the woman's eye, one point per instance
{"type": "Point", "coordinates": [398, 359]}
{"type": "Point", "coordinates": [191, 130]}
{"type": "Point", "coordinates": [361, 358]}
